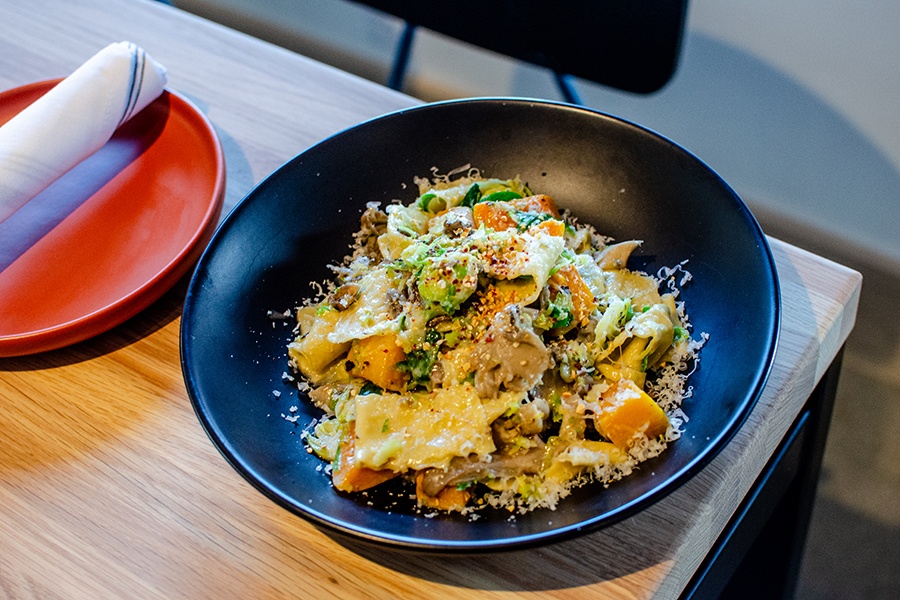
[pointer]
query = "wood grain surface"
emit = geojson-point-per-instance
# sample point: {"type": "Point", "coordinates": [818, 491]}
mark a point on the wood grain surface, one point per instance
{"type": "Point", "coordinates": [109, 487]}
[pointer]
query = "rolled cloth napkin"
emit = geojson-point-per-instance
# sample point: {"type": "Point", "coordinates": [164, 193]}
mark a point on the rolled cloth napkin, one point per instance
{"type": "Point", "coordinates": [73, 120]}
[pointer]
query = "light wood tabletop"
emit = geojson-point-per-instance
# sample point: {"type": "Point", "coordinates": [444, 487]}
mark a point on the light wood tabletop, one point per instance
{"type": "Point", "coordinates": [109, 487]}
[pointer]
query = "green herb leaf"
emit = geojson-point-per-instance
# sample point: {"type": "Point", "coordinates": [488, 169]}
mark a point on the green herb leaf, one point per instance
{"type": "Point", "coordinates": [420, 361]}
{"type": "Point", "coordinates": [502, 196]}
{"type": "Point", "coordinates": [526, 219]}
{"type": "Point", "coordinates": [472, 197]}
{"type": "Point", "coordinates": [369, 388]}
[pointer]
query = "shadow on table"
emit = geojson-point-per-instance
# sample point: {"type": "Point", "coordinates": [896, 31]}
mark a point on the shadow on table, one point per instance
{"type": "Point", "coordinates": [569, 564]}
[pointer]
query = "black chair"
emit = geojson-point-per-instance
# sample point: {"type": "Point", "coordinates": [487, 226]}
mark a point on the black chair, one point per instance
{"type": "Point", "coordinates": [632, 45]}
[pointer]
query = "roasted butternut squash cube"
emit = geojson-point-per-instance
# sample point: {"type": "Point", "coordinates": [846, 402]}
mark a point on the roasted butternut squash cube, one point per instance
{"type": "Point", "coordinates": [541, 203]}
{"type": "Point", "coordinates": [500, 215]}
{"type": "Point", "coordinates": [625, 411]}
{"type": "Point", "coordinates": [493, 215]}
{"type": "Point", "coordinates": [583, 301]}
{"type": "Point", "coordinates": [375, 358]}
{"type": "Point", "coordinates": [552, 227]}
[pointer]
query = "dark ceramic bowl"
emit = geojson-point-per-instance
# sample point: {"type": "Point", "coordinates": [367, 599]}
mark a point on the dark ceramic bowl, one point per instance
{"type": "Point", "coordinates": [625, 180]}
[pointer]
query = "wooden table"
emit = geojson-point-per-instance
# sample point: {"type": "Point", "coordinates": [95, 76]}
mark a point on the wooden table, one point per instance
{"type": "Point", "coordinates": [109, 487]}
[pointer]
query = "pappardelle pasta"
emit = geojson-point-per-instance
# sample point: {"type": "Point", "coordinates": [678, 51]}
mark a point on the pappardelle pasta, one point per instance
{"type": "Point", "coordinates": [491, 350]}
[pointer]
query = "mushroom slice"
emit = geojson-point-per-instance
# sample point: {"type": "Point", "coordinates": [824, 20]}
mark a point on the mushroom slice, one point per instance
{"type": "Point", "coordinates": [510, 354]}
{"type": "Point", "coordinates": [473, 468]}
{"type": "Point", "coordinates": [616, 256]}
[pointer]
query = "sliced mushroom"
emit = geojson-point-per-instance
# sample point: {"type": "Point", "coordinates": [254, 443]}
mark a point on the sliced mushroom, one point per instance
{"type": "Point", "coordinates": [527, 421]}
{"type": "Point", "coordinates": [510, 354]}
{"type": "Point", "coordinates": [474, 468]}
{"type": "Point", "coordinates": [343, 297]}
{"type": "Point", "coordinates": [533, 416]}
{"type": "Point", "coordinates": [616, 256]}
{"type": "Point", "coordinates": [457, 220]}
{"type": "Point", "coordinates": [373, 223]}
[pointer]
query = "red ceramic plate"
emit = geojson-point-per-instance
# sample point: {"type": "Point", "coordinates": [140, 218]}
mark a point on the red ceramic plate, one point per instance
{"type": "Point", "coordinates": [113, 234]}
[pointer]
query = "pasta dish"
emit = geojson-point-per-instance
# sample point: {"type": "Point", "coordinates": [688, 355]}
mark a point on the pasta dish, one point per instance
{"type": "Point", "coordinates": [491, 350]}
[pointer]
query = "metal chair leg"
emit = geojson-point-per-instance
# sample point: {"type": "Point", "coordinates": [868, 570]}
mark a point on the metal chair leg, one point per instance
{"type": "Point", "coordinates": [567, 88]}
{"type": "Point", "coordinates": [401, 58]}
{"type": "Point", "coordinates": [401, 61]}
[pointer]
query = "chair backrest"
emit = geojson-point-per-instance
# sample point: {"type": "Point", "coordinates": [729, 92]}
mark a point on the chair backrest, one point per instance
{"type": "Point", "coordinates": [631, 45]}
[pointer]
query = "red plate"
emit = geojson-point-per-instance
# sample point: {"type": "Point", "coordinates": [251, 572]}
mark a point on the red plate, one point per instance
{"type": "Point", "coordinates": [113, 234]}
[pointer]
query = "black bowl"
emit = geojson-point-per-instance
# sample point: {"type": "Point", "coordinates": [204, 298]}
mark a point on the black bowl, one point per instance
{"type": "Point", "coordinates": [628, 182]}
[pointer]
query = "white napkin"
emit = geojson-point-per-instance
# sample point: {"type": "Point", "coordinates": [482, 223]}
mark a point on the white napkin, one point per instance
{"type": "Point", "coordinates": [73, 120]}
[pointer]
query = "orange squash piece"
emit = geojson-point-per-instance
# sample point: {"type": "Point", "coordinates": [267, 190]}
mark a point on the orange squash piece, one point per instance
{"type": "Point", "coordinates": [497, 216]}
{"type": "Point", "coordinates": [493, 215]}
{"type": "Point", "coordinates": [626, 410]}
{"type": "Point", "coordinates": [347, 475]}
{"type": "Point", "coordinates": [583, 301]}
{"type": "Point", "coordinates": [375, 358]}
{"type": "Point", "coordinates": [540, 203]}
{"type": "Point", "coordinates": [551, 227]}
